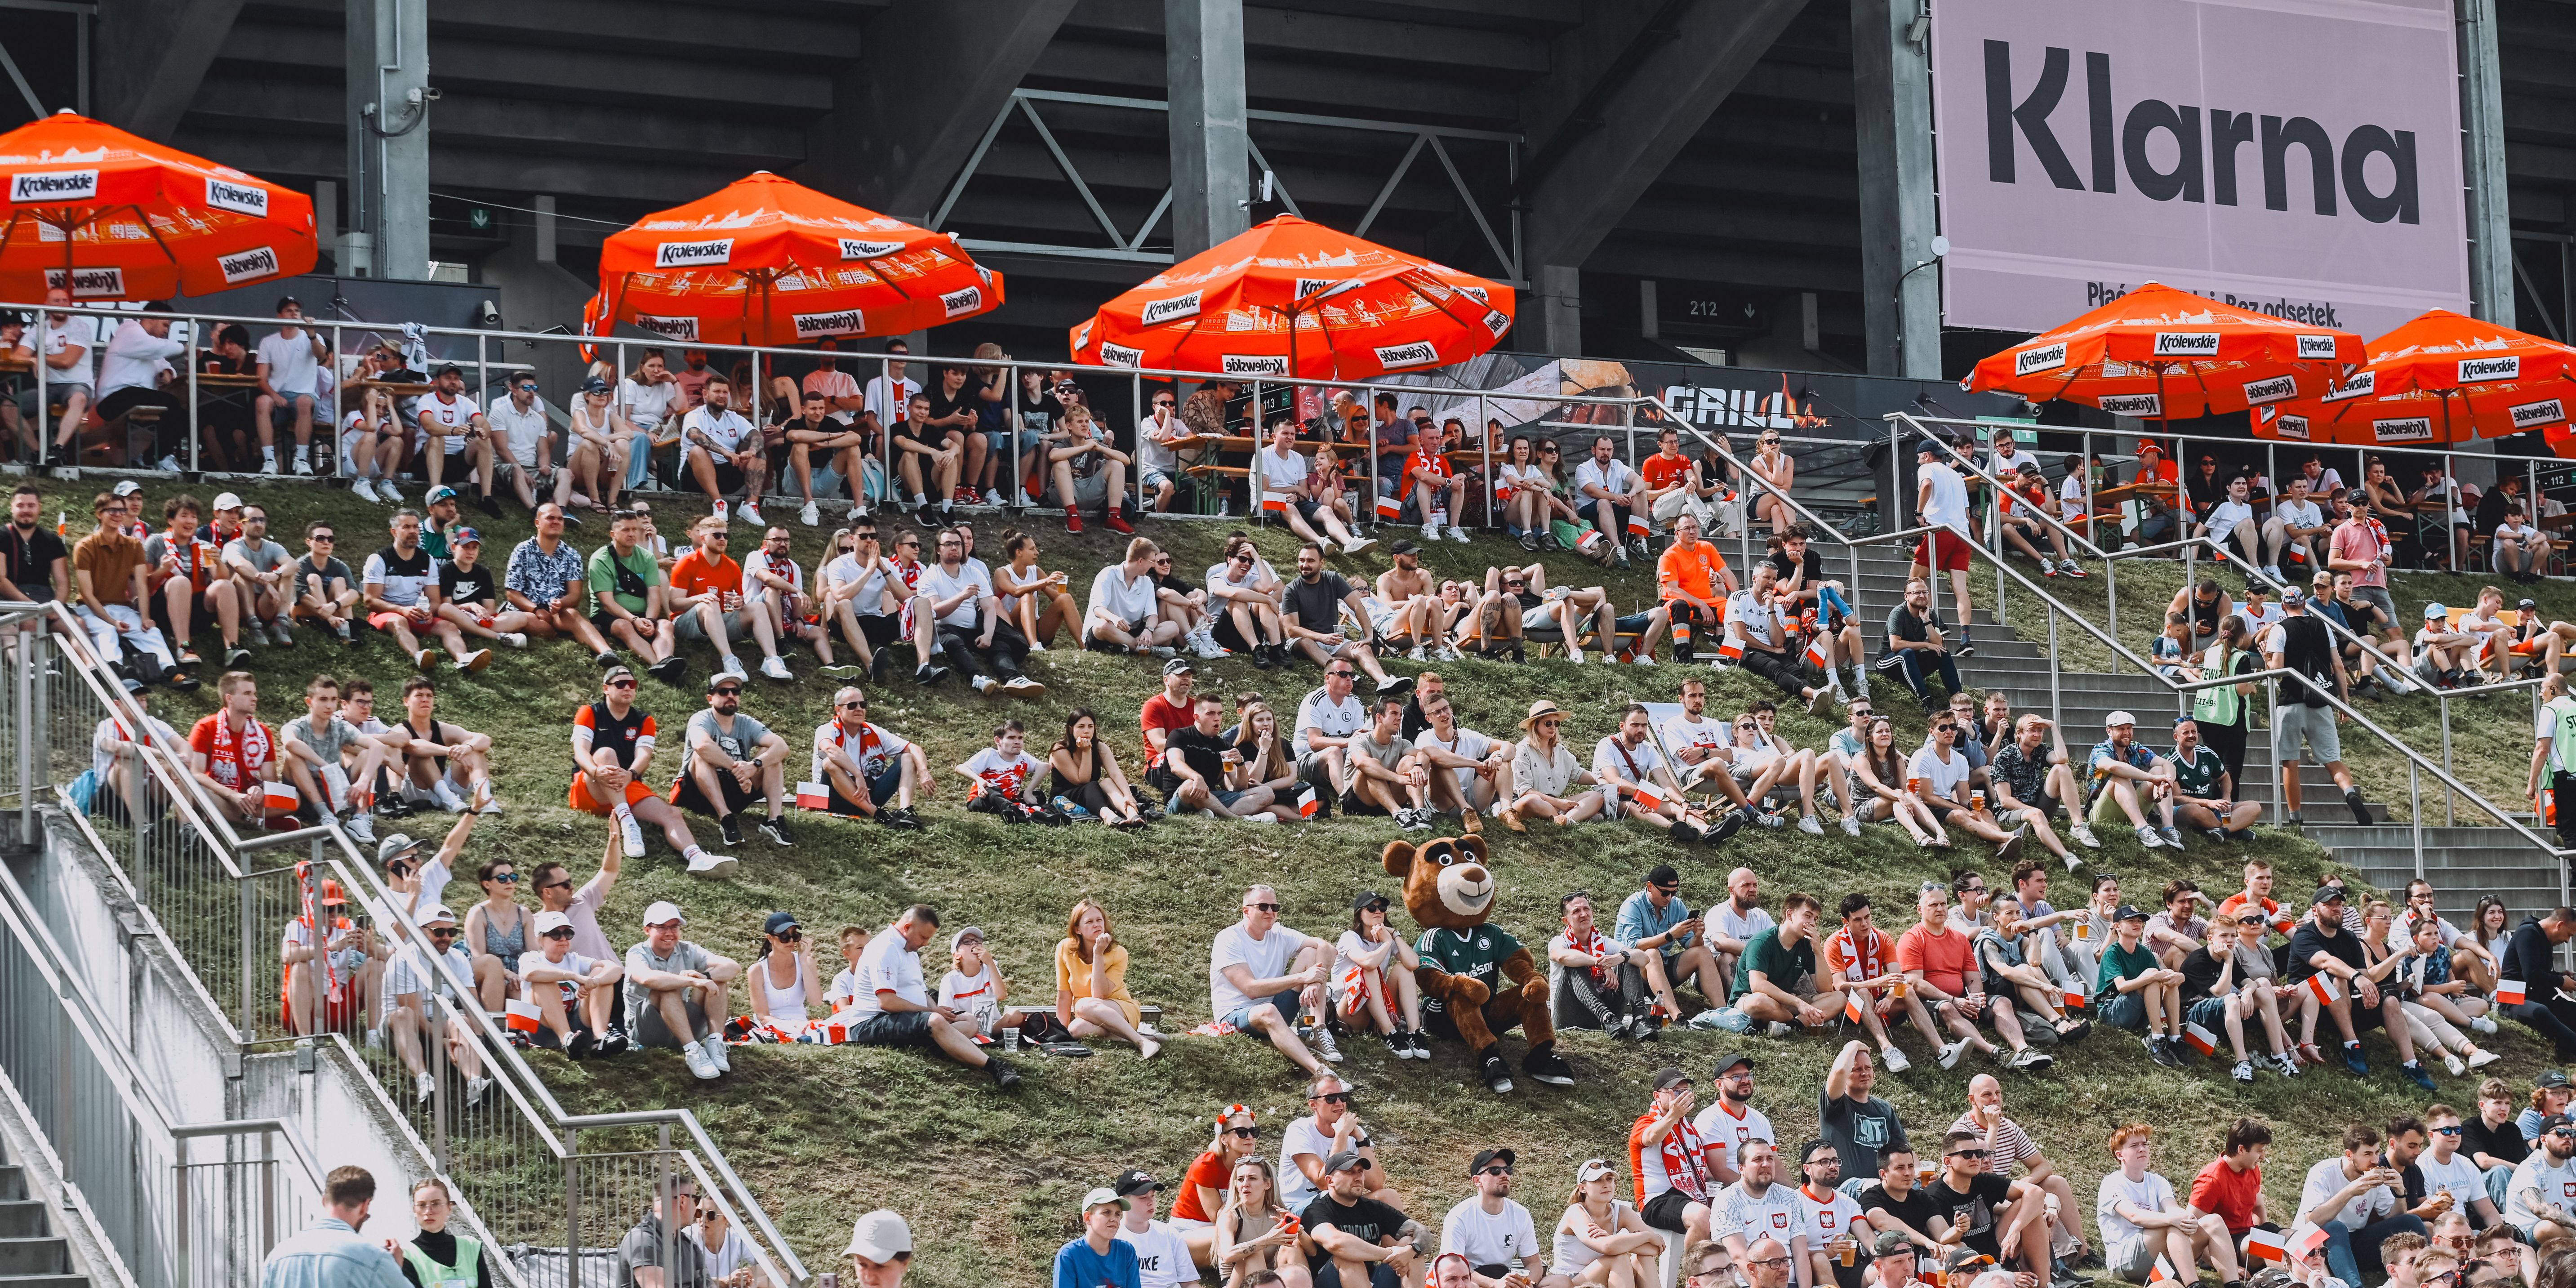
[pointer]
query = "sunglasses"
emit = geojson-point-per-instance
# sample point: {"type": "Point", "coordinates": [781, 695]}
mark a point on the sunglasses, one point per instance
{"type": "Point", "coordinates": [451, 934]}
{"type": "Point", "coordinates": [558, 934]}
{"type": "Point", "coordinates": [1261, 907]}
{"type": "Point", "coordinates": [556, 885]}
{"type": "Point", "coordinates": [322, 538]}
{"type": "Point", "coordinates": [506, 878]}
{"type": "Point", "coordinates": [621, 684]}
{"type": "Point", "coordinates": [1971, 1154]}
{"type": "Point", "coordinates": [1495, 1170]}
{"type": "Point", "coordinates": [2452, 1130]}
{"type": "Point", "coordinates": [1342, 674]}
{"type": "Point", "coordinates": [789, 935]}
{"type": "Point", "coordinates": [1244, 1133]}
{"type": "Point", "coordinates": [729, 691]}
{"type": "Point", "coordinates": [854, 706]}
{"type": "Point", "coordinates": [1333, 1098]}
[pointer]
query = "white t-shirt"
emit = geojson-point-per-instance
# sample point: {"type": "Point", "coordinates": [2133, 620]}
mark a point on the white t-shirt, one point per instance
{"type": "Point", "coordinates": [869, 599]}
{"type": "Point", "coordinates": [292, 368]}
{"type": "Point", "coordinates": [2300, 514]}
{"type": "Point", "coordinates": [889, 965]}
{"type": "Point", "coordinates": [2260, 621]}
{"type": "Point", "coordinates": [1727, 1133]}
{"type": "Point", "coordinates": [534, 958]}
{"type": "Point", "coordinates": [1682, 731]}
{"type": "Point", "coordinates": [2070, 496]}
{"type": "Point", "coordinates": [724, 428]}
{"type": "Point", "coordinates": [1948, 504]}
{"type": "Point", "coordinates": [1267, 958]}
{"type": "Point", "coordinates": [345, 962]}
{"type": "Point", "coordinates": [646, 405]}
{"type": "Point", "coordinates": [1009, 775]}
{"type": "Point", "coordinates": [1725, 920]}
{"type": "Point", "coordinates": [135, 358]}
{"type": "Point", "coordinates": [1775, 1215]}
{"type": "Point", "coordinates": [976, 997]}
{"type": "Point", "coordinates": [887, 400]}
{"type": "Point", "coordinates": [411, 972]}
{"type": "Point", "coordinates": [844, 989]}
{"type": "Point", "coordinates": [1302, 1137]}
{"type": "Point", "coordinates": [2326, 1179]}
{"type": "Point", "coordinates": [937, 583]}
{"type": "Point", "coordinates": [733, 1256]}
{"type": "Point", "coordinates": [2224, 516]}
{"type": "Point", "coordinates": [524, 429]}
{"type": "Point", "coordinates": [1162, 1257]}
{"type": "Point", "coordinates": [1333, 720]}
{"type": "Point", "coordinates": [1288, 475]}
{"type": "Point", "coordinates": [81, 333]}
{"type": "Point", "coordinates": [453, 417]}
{"type": "Point", "coordinates": [758, 561]}
{"type": "Point", "coordinates": [1615, 478]}
{"type": "Point", "coordinates": [1468, 743]}
{"type": "Point", "coordinates": [1835, 1215]}
{"type": "Point", "coordinates": [1505, 1238]}
{"type": "Point", "coordinates": [2151, 1193]}
{"type": "Point", "coordinates": [1942, 776]}
{"type": "Point", "coordinates": [1221, 577]}
{"type": "Point", "coordinates": [1638, 765]}
{"type": "Point", "coordinates": [2557, 1186]}
{"type": "Point", "coordinates": [872, 748]}
{"type": "Point", "coordinates": [1154, 454]}
{"type": "Point", "coordinates": [1117, 597]}
{"type": "Point", "coordinates": [2460, 1178]}
{"type": "Point", "coordinates": [1752, 621]}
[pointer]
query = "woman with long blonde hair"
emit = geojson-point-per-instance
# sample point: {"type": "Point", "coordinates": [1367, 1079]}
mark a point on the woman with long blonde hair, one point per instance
{"type": "Point", "coordinates": [1091, 996]}
{"type": "Point", "coordinates": [1253, 1232]}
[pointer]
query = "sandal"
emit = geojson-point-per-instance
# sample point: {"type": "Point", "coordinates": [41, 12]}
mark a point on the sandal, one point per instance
{"type": "Point", "coordinates": [2073, 1027]}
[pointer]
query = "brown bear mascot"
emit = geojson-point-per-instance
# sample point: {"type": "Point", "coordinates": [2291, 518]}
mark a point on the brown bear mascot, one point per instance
{"type": "Point", "coordinates": [1477, 980]}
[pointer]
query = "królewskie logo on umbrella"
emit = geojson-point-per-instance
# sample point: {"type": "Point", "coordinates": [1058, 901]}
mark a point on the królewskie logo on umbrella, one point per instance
{"type": "Point", "coordinates": [2291, 427]}
{"type": "Point", "coordinates": [960, 303]}
{"type": "Point", "coordinates": [1254, 364]}
{"type": "Point", "coordinates": [2258, 392]}
{"type": "Point", "coordinates": [2532, 415]}
{"type": "Point", "coordinates": [2047, 357]}
{"type": "Point", "coordinates": [1311, 289]}
{"type": "Point", "coordinates": [1170, 308]}
{"type": "Point", "coordinates": [669, 328]}
{"type": "Point", "coordinates": [852, 248]}
{"type": "Point", "coordinates": [1497, 322]}
{"type": "Point", "coordinates": [248, 265]}
{"type": "Point", "coordinates": [1119, 355]}
{"type": "Point", "coordinates": [1420, 353]}
{"type": "Point", "coordinates": [2316, 348]}
{"type": "Point", "coordinates": [45, 187]}
{"type": "Point", "coordinates": [2133, 404]}
{"type": "Point", "coordinates": [2403, 429]}
{"type": "Point", "coordinates": [694, 254]}
{"type": "Point", "coordinates": [2363, 384]}
{"type": "Point", "coordinates": [87, 283]}
{"type": "Point", "coordinates": [239, 198]}
{"type": "Point", "coordinates": [2186, 344]}
{"type": "Point", "coordinates": [836, 322]}
{"type": "Point", "coordinates": [2506, 366]}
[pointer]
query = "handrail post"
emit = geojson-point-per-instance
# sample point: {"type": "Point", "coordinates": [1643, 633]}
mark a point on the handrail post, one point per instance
{"type": "Point", "coordinates": [2450, 799]}
{"type": "Point", "coordinates": [2415, 813]}
{"type": "Point", "coordinates": [249, 953]}
{"type": "Point", "coordinates": [572, 1204]}
{"type": "Point", "coordinates": [662, 1203]}
{"type": "Point", "coordinates": [2056, 704]}
{"type": "Point", "coordinates": [196, 405]}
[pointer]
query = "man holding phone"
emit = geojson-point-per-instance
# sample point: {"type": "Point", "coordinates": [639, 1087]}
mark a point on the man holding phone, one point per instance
{"type": "Point", "coordinates": [2352, 1197]}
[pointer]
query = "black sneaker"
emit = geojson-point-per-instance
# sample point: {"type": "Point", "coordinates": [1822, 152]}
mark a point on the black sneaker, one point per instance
{"type": "Point", "coordinates": [489, 506]}
{"type": "Point", "coordinates": [1398, 1046]}
{"type": "Point", "coordinates": [927, 517]}
{"type": "Point", "coordinates": [1003, 1075]}
{"type": "Point", "coordinates": [614, 1044]}
{"type": "Point", "coordinates": [606, 659]}
{"type": "Point", "coordinates": [2360, 808]}
{"type": "Point", "coordinates": [581, 1045]}
{"type": "Point", "coordinates": [731, 826]}
{"type": "Point", "coordinates": [672, 670]}
{"type": "Point", "coordinates": [776, 830]}
{"type": "Point", "coordinates": [929, 675]}
{"type": "Point", "coordinates": [1967, 647]}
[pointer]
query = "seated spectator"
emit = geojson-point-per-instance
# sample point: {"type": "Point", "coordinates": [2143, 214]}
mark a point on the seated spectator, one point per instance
{"type": "Point", "coordinates": [1917, 645]}
{"type": "Point", "coordinates": [2350, 1196]}
{"type": "Point", "coordinates": [677, 993]}
{"type": "Point", "coordinates": [2515, 549]}
{"type": "Point", "coordinates": [233, 754]}
{"type": "Point", "coordinates": [2324, 945]}
{"type": "Point", "coordinates": [1125, 611]}
{"type": "Point", "coordinates": [443, 764]}
{"type": "Point", "coordinates": [2493, 1141]}
{"type": "Point", "coordinates": [1034, 599]}
{"type": "Point", "coordinates": [1243, 598]}
{"type": "Point", "coordinates": [262, 578]}
{"type": "Point", "coordinates": [1834, 1221]}
{"type": "Point", "coordinates": [1938, 959]}
{"type": "Point", "coordinates": [1162, 1257]}
{"type": "Point", "coordinates": [1329, 1128]}
{"type": "Point", "coordinates": [2538, 1205]}
{"type": "Point", "coordinates": [867, 770]}
{"type": "Point", "coordinates": [1775, 979]}
{"type": "Point", "coordinates": [1262, 976]}
{"type": "Point", "coordinates": [1313, 603]}
{"type": "Point", "coordinates": [1939, 774]}
{"type": "Point", "coordinates": [1760, 1219]}
{"type": "Point", "coordinates": [612, 743]}
{"type": "Point", "coordinates": [573, 993]}
{"type": "Point", "coordinates": [418, 970]}
{"type": "Point", "coordinates": [863, 590]}
{"type": "Point", "coordinates": [546, 582]}
{"type": "Point", "coordinates": [1978, 1210]}
{"type": "Point", "coordinates": [960, 607]}
{"type": "Point", "coordinates": [1263, 757]}
{"type": "Point", "coordinates": [1469, 772]}
{"type": "Point", "coordinates": [2143, 1223]}
{"type": "Point", "coordinates": [1437, 489]}
{"type": "Point", "coordinates": [1356, 1237]}
{"type": "Point", "coordinates": [1860, 964]}
{"type": "Point", "coordinates": [1656, 917]}
{"type": "Point", "coordinates": [2129, 780]}
{"type": "Point", "coordinates": [1407, 612]}
{"type": "Point", "coordinates": [721, 453]}
{"type": "Point", "coordinates": [974, 991]}
{"type": "Point", "coordinates": [1598, 1229]}
{"type": "Point", "coordinates": [2489, 637]}
{"type": "Point", "coordinates": [1386, 778]}
{"type": "Point", "coordinates": [1098, 1255]}
{"type": "Point", "coordinates": [1293, 489]}
{"type": "Point", "coordinates": [630, 600]}
{"type": "Point", "coordinates": [115, 600]}
{"type": "Point", "coordinates": [2437, 1007]}
{"type": "Point", "coordinates": [706, 603]}
{"type": "Point", "coordinates": [190, 588]}
{"type": "Point", "coordinates": [322, 753]}
{"type": "Point", "coordinates": [893, 1005]}
{"type": "Point", "coordinates": [1596, 982]}
{"type": "Point", "coordinates": [1543, 768]}
{"type": "Point", "coordinates": [1002, 778]}
{"type": "Point", "coordinates": [2140, 993]}
{"type": "Point", "coordinates": [1163, 715]}
{"type": "Point", "coordinates": [1674, 1185]}
{"type": "Point", "coordinates": [1086, 782]}
{"type": "Point", "coordinates": [1635, 780]}
{"type": "Point", "coordinates": [1614, 500]}
{"type": "Point", "coordinates": [1491, 1232]}
{"type": "Point", "coordinates": [1897, 1204]}
{"type": "Point", "coordinates": [1753, 620]}
{"type": "Point", "coordinates": [1373, 977]}
{"type": "Point", "coordinates": [1091, 996]}
{"type": "Point", "coordinates": [728, 761]}
{"type": "Point", "coordinates": [2450, 1177]}
{"type": "Point", "coordinates": [2031, 786]}
{"type": "Point", "coordinates": [496, 933]}
{"type": "Point", "coordinates": [328, 986]}
{"type": "Point", "coordinates": [2003, 952]}
{"type": "Point", "coordinates": [785, 985]}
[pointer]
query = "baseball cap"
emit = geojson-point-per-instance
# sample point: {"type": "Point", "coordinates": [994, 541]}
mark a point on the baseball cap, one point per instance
{"type": "Point", "coordinates": [1365, 900]}
{"type": "Point", "coordinates": [1135, 1181]}
{"type": "Point", "coordinates": [880, 1236]}
{"type": "Point", "coordinates": [2551, 1081]}
{"type": "Point", "coordinates": [621, 670]}
{"type": "Point", "coordinates": [2326, 894]}
{"type": "Point", "coordinates": [437, 494]}
{"type": "Point", "coordinates": [780, 923]}
{"type": "Point", "coordinates": [550, 922]}
{"type": "Point", "coordinates": [331, 894]}
{"type": "Point", "coordinates": [723, 677]}
{"type": "Point", "coordinates": [1662, 874]}
{"type": "Point", "coordinates": [1892, 1244]}
{"type": "Point", "coordinates": [663, 910]}
{"type": "Point", "coordinates": [594, 385]}
{"type": "Point", "coordinates": [1102, 1196]}
{"type": "Point", "coordinates": [465, 537]}
{"type": "Point", "coordinates": [1488, 1157]}
{"type": "Point", "coordinates": [436, 913]}
{"type": "Point", "coordinates": [126, 487]}
{"type": "Point", "coordinates": [2128, 912]}
{"type": "Point", "coordinates": [394, 847]}
{"type": "Point", "coordinates": [1726, 1063]}
{"type": "Point", "coordinates": [1178, 666]}
{"type": "Point", "coordinates": [2292, 597]}
{"type": "Point", "coordinates": [1594, 1170]}
{"type": "Point", "coordinates": [2432, 611]}
{"type": "Point", "coordinates": [2117, 719]}
{"type": "Point", "coordinates": [2527, 605]}
{"type": "Point", "coordinates": [1400, 546]}
{"type": "Point", "coordinates": [1343, 1161]}
{"type": "Point", "coordinates": [958, 940]}
{"type": "Point", "coordinates": [228, 500]}
{"type": "Point", "coordinates": [1962, 1257]}
{"type": "Point", "coordinates": [2555, 1121]}
{"type": "Point", "coordinates": [1671, 1078]}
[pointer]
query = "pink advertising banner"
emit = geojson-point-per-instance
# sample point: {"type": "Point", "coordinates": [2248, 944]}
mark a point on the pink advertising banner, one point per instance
{"type": "Point", "coordinates": [2296, 157]}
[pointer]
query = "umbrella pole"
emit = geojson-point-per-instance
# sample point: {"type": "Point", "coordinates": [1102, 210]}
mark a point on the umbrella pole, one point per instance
{"type": "Point", "coordinates": [2450, 499]}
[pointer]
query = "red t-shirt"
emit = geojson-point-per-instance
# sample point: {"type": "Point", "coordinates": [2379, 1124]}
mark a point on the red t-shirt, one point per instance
{"type": "Point", "coordinates": [1207, 1169]}
{"type": "Point", "coordinates": [1436, 465]}
{"type": "Point", "coordinates": [1661, 471]}
{"type": "Point", "coordinates": [695, 574]}
{"type": "Point", "coordinates": [233, 760]}
{"type": "Point", "coordinates": [1164, 714]}
{"type": "Point", "coordinates": [2228, 1192]}
{"type": "Point", "coordinates": [1944, 959]}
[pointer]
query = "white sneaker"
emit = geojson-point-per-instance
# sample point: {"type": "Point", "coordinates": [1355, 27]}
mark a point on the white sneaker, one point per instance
{"type": "Point", "coordinates": [2458, 1067]}
{"type": "Point", "coordinates": [474, 1089]}
{"type": "Point", "coordinates": [1207, 646]}
{"type": "Point", "coordinates": [2149, 837]}
{"type": "Point", "coordinates": [1417, 653]}
{"type": "Point", "coordinates": [361, 827]}
{"type": "Point", "coordinates": [385, 492]}
{"type": "Point", "coordinates": [1574, 655]}
{"type": "Point", "coordinates": [269, 467]}
{"type": "Point", "coordinates": [811, 515]}
{"type": "Point", "coordinates": [631, 833]}
{"type": "Point", "coordinates": [447, 796]}
{"type": "Point", "coordinates": [1321, 1038]}
{"type": "Point", "coordinates": [984, 684]}
{"type": "Point", "coordinates": [1263, 817]}
{"type": "Point", "coordinates": [425, 1085]}
{"type": "Point", "coordinates": [515, 639]}
{"type": "Point", "coordinates": [484, 801]}
{"type": "Point", "coordinates": [776, 668]}
{"type": "Point", "coordinates": [733, 667]}
{"type": "Point", "coordinates": [714, 1045]}
{"type": "Point", "coordinates": [304, 466]}
{"type": "Point", "coordinates": [1809, 824]}
{"type": "Point", "coordinates": [2272, 571]}
{"type": "Point", "coordinates": [1448, 652]}
{"type": "Point", "coordinates": [711, 865]}
{"type": "Point", "coordinates": [1350, 547]}
{"type": "Point", "coordinates": [2084, 836]}
{"type": "Point", "coordinates": [1950, 1054]}
{"type": "Point", "coordinates": [1851, 823]}
{"type": "Point", "coordinates": [1894, 1061]}
{"type": "Point", "coordinates": [1457, 534]}
{"type": "Point", "coordinates": [2482, 1057]}
{"type": "Point", "coordinates": [2483, 1023]}
{"type": "Point", "coordinates": [751, 515]}
{"type": "Point", "coordinates": [169, 464]}
{"type": "Point", "coordinates": [363, 490]}
{"type": "Point", "coordinates": [1431, 532]}
{"type": "Point", "coordinates": [1642, 659]}
{"type": "Point", "coordinates": [993, 497]}
{"type": "Point", "coordinates": [699, 1064]}
{"type": "Point", "coordinates": [723, 512]}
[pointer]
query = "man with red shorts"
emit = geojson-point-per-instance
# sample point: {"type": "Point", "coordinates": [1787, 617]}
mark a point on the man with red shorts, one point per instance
{"type": "Point", "coordinates": [612, 742]}
{"type": "Point", "coordinates": [1941, 500]}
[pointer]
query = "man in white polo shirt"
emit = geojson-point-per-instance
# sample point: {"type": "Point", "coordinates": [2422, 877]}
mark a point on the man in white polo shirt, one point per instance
{"type": "Point", "coordinates": [290, 368]}
{"type": "Point", "coordinates": [1125, 613]}
{"type": "Point", "coordinates": [891, 1004]}
{"type": "Point", "coordinates": [523, 440]}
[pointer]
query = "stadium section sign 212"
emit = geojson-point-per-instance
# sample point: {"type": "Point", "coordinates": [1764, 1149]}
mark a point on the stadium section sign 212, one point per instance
{"type": "Point", "coordinates": [2296, 157]}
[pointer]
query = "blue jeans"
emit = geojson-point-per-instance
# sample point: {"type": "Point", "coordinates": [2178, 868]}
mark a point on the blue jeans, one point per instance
{"type": "Point", "coordinates": [2499, 1184]}
{"type": "Point", "coordinates": [639, 460]}
{"type": "Point", "coordinates": [2126, 1011]}
{"type": "Point", "coordinates": [2347, 1247]}
{"type": "Point", "coordinates": [1907, 665]}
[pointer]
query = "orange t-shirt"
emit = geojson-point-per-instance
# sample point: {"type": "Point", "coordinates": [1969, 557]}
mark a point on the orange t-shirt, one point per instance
{"type": "Point", "coordinates": [695, 574]}
{"type": "Point", "coordinates": [1692, 572]}
{"type": "Point", "coordinates": [1434, 464]}
{"type": "Point", "coordinates": [1661, 471]}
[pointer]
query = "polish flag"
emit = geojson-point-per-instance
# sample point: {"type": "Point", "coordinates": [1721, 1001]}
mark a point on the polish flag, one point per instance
{"type": "Point", "coordinates": [2322, 987]}
{"type": "Point", "coordinates": [520, 1016]}
{"type": "Point", "coordinates": [1851, 1006]}
{"type": "Point", "coordinates": [1816, 654]}
{"type": "Point", "coordinates": [2075, 999]}
{"type": "Point", "coordinates": [813, 796]}
{"type": "Point", "coordinates": [1306, 803]}
{"type": "Point", "coordinates": [1731, 648]}
{"type": "Point", "coordinates": [1648, 799]}
{"type": "Point", "coordinates": [1390, 508]}
{"type": "Point", "coordinates": [1274, 501]}
{"type": "Point", "coordinates": [2161, 1272]}
{"type": "Point", "coordinates": [2509, 992]}
{"type": "Point", "coordinates": [2314, 1239]}
{"type": "Point", "coordinates": [282, 796]}
{"type": "Point", "coordinates": [1638, 527]}
{"type": "Point", "coordinates": [2201, 1040]}
{"type": "Point", "coordinates": [2266, 1245]}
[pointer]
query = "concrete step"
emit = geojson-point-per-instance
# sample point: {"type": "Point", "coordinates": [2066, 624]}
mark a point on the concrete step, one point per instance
{"type": "Point", "coordinates": [40, 1255]}
{"type": "Point", "coordinates": [2342, 831]}
{"type": "Point", "coordinates": [13, 1182]}
{"type": "Point", "coordinates": [22, 1218]}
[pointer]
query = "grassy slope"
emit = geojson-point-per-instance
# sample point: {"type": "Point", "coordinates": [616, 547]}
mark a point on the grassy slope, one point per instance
{"type": "Point", "coordinates": [988, 1181]}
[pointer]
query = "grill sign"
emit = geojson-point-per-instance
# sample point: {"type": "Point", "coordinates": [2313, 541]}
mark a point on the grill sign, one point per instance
{"type": "Point", "coordinates": [2259, 392]}
{"type": "Point", "coordinates": [1254, 364]}
{"type": "Point", "coordinates": [838, 322]}
{"type": "Point", "coordinates": [696, 254]}
{"type": "Point", "coordinates": [2475, 370]}
{"type": "Point", "coordinates": [248, 264]}
{"type": "Point", "coordinates": [1119, 355]}
{"type": "Point", "coordinates": [239, 198]}
{"type": "Point", "coordinates": [2186, 344]}
{"type": "Point", "coordinates": [1171, 308]}
{"type": "Point", "coordinates": [2046, 358]}
{"type": "Point", "coordinates": [2410, 429]}
{"type": "Point", "coordinates": [669, 328]}
{"type": "Point", "coordinates": [960, 303]}
{"type": "Point", "coordinates": [2132, 404]}
{"type": "Point", "coordinates": [42, 186]}
{"type": "Point", "coordinates": [1419, 354]}
{"type": "Point", "coordinates": [852, 248]}
{"type": "Point", "coordinates": [2548, 411]}
{"type": "Point", "coordinates": [88, 283]}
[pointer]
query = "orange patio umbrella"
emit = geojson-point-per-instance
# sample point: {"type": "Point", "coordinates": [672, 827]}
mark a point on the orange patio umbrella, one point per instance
{"type": "Point", "coordinates": [2440, 378]}
{"type": "Point", "coordinates": [1294, 298]}
{"type": "Point", "coordinates": [770, 261]}
{"type": "Point", "coordinates": [110, 216]}
{"type": "Point", "coordinates": [2160, 353]}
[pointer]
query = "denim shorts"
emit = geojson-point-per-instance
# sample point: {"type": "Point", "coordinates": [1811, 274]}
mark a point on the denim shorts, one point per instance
{"type": "Point", "coordinates": [1285, 1003]}
{"type": "Point", "coordinates": [2126, 1010]}
{"type": "Point", "coordinates": [2209, 1013]}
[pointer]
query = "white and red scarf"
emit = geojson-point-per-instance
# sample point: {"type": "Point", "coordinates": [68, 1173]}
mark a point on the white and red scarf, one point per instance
{"type": "Point", "coordinates": [227, 762]}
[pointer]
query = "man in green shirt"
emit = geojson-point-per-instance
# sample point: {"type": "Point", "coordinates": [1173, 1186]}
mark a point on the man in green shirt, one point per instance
{"type": "Point", "coordinates": [2142, 995]}
{"type": "Point", "coordinates": [1775, 979]}
{"type": "Point", "coordinates": [626, 585]}
{"type": "Point", "coordinates": [2553, 758]}
{"type": "Point", "coordinates": [2204, 792]}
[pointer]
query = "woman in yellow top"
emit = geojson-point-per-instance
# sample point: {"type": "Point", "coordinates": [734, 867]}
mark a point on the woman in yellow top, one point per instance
{"type": "Point", "coordinates": [1091, 995]}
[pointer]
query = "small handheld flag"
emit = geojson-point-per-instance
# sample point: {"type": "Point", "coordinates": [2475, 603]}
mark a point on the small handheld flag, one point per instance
{"type": "Point", "coordinates": [2509, 992]}
{"type": "Point", "coordinates": [2266, 1245]}
{"type": "Point", "coordinates": [813, 796]}
{"type": "Point", "coordinates": [1648, 798]}
{"type": "Point", "coordinates": [2075, 1000]}
{"type": "Point", "coordinates": [1638, 527]}
{"type": "Point", "coordinates": [1390, 508]}
{"type": "Point", "coordinates": [2201, 1040]}
{"type": "Point", "coordinates": [282, 797]}
{"type": "Point", "coordinates": [2322, 987]}
{"type": "Point", "coordinates": [521, 1016]}
{"type": "Point", "coordinates": [1306, 803]}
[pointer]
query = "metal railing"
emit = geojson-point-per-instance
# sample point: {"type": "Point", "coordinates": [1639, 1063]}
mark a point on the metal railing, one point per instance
{"type": "Point", "coordinates": [513, 1152]}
